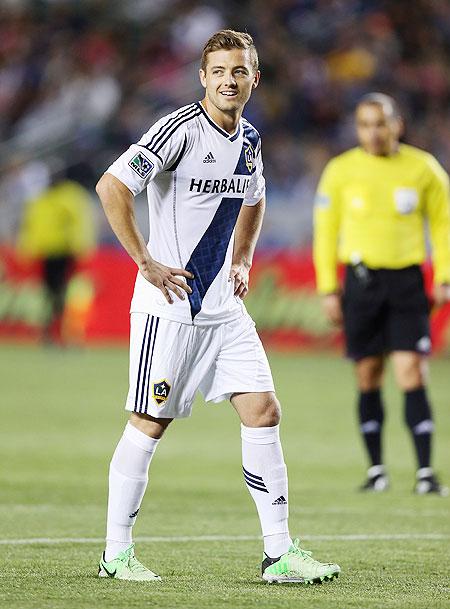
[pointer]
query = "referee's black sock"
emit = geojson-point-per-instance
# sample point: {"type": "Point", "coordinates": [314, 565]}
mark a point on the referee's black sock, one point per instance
{"type": "Point", "coordinates": [371, 418]}
{"type": "Point", "coordinates": [419, 420]}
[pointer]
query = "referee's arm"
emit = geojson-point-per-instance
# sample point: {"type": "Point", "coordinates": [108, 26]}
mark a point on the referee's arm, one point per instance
{"type": "Point", "coordinates": [437, 207]}
{"type": "Point", "coordinates": [326, 231]}
{"type": "Point", "coordinates": [325, 245]}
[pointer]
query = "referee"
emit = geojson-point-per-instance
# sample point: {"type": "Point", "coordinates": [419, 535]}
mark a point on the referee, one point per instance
{"type": "Point", "coordinates": [371, 208]}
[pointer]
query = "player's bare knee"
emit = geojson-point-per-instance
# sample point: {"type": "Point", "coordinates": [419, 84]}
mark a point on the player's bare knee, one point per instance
{"type": "Point", "coordinates": [270, 413]}
{"type": "Point", "coordinates": [152, 427]}
{"type": "Point", "coordinates": [257, 410]}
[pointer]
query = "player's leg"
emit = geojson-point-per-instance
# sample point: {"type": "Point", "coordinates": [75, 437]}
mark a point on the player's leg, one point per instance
{"type": "Point", "coordinates": [369, 377]}
{"type": "Point", "coordinates": [159, 391]}
{"type": "Point", "coordinates": [409, 339]}
{"type": "Point", "coordinates": [263, 466]}
{"type": "Point", "coordinates": [241, 373]}
{"type": "Point", "coordinates": [265, 475]}
{"type": "Point", "coordinates": [128, 479]}
{"type": "Point", "coordinates": [364, 311]}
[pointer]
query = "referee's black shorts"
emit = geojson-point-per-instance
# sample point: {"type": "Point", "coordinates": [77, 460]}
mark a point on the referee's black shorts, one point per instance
{"type": "Point", "coordinates": [385, 310]}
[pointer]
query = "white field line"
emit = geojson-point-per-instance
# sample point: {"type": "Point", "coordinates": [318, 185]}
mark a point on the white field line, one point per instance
{"type": "Point", "coordinates": [207, 538]}
{"type": "Point", "coordinates": [401, 512]}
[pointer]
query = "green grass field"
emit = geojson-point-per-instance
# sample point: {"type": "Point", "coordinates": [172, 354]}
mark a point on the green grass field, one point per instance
{"type": "Point", "coordinates": [61, 418]}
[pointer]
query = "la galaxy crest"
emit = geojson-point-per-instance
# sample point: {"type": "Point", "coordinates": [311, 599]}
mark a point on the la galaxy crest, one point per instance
{"type": "Point", "coordinates": [161, 390]}
{"type": "Point", "coordinates": [249, 157]}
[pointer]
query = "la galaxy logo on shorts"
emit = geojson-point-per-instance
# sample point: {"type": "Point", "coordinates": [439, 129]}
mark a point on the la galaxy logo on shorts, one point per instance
{"type": "Point", "coordinates": [141, 165]}
{"type": "Point", "coordinates": [249, 157]}
{"type": "Point", "coordinates": [161, 391]}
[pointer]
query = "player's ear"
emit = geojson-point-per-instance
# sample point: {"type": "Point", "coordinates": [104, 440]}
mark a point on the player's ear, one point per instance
{"type": "Point", "coordinates": [202, 76]}
{"type": "Point", "coordinates": [256, 79]}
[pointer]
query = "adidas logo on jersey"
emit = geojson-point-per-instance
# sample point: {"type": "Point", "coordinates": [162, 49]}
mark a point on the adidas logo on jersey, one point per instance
{"type": "Point", "coordinates": [280, 501]}
{"type": "Point", "coordinates": [209, 158]}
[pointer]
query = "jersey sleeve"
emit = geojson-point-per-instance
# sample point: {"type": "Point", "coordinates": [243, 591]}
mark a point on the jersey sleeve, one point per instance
{"type": "Point", "coordinates": [156, 151]}
{"type": "Point", "coordinates": [257, 187]}
{"type": "Point", "coordinates": [326, 230]}
{"type": "Point", "coordinates": [438, 212]}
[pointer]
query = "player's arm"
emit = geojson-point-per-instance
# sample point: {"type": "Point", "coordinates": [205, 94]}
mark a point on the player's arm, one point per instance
{"type": "Point", "coordinates": [118, 203]}
{"type": "Point", "coordinates": [326, 232]}
{"type": "Point", "coordinates": [438, 212]}
{"type": "Point", "coordinates": [248, 227]}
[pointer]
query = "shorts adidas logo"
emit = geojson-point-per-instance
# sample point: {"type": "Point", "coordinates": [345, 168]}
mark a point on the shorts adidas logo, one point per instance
{"type": "Point", "coordinates": [280, 501]}
{"type": "Point", "coordinates": [209, 158]}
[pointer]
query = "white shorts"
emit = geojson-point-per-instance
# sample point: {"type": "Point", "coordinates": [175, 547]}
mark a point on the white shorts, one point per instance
{"type": "Point", "coordinates": [170, 361]}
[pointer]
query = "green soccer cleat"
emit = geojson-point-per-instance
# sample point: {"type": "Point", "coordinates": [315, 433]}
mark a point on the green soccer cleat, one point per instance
{"type": "Point", "coordinates": [297, 567]}
{"type": "Point", "coordinates": [126, 566]}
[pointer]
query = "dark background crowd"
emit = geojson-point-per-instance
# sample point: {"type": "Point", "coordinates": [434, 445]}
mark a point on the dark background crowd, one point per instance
{"type": "Point", "coordinates": [80, 81]}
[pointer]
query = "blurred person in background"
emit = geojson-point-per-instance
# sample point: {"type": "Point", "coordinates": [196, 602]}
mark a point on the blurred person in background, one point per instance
{"type": "Point", "coordinates": [57, 228]}
{"type": "Point", "coordinates": [371, 209]}
{"type": "Point", "coordinates": [22, 180]}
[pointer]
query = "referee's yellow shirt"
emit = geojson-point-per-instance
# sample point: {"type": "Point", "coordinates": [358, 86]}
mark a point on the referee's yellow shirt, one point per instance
{"type": "Point", "coordinates": [374, 209]}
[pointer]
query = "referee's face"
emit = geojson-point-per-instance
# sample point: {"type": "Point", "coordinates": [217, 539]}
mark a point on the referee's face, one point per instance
{"type": "Point", "coordinates": [377, 130]}
{"type": "Point", "coordinates": [229, 79]}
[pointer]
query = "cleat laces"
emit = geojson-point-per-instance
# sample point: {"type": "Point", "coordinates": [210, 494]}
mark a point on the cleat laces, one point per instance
{"type": "Point", "coordinates": [132, 562]}
{"type": "Point", "coordinates": [302, 555]}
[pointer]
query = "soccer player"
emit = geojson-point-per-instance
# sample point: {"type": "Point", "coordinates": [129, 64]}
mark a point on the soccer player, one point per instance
{"type": "Point", "coordinates": [203, 171]}
{"type": "Point", "coordinates": [370, 212]}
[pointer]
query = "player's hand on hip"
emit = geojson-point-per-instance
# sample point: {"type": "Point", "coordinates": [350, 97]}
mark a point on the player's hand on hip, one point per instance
{"type": "Point", "coordinates": [333, 308]}
{"type": "Point", "coordinates": [239, 274]}
{"type": "Point", "coordinates": [166, 279]}
{"type": "Point", "coordinates": [441, 294]}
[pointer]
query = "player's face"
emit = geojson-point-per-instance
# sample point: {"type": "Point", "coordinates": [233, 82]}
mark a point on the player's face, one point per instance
{"type": "Point", "coordinates": [378, 131]}
{"type": "Point", "coordinates": [229, 79]}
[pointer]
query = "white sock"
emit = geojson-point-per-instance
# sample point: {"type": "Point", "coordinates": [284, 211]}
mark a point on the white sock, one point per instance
{"type": "Point", "coordinates": [128, 477]}
{"type": "Point", "coordinates": [265, 474]}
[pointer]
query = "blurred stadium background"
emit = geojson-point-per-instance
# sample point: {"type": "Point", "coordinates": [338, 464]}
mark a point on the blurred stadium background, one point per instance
{"type": "Point", "coordinates": [80, 81]}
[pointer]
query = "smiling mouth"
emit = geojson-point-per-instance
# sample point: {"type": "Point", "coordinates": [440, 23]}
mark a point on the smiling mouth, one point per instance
{"type": "Point", "coordinates": [228, 93]}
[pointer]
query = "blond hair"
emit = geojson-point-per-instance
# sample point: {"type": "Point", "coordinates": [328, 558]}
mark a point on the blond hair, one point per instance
{"type": "Point", "coordinates": [227, 40]}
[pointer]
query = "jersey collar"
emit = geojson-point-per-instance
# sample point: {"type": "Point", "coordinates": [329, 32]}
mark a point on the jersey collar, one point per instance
{"type": "Point", "coordinates": [229, 137]}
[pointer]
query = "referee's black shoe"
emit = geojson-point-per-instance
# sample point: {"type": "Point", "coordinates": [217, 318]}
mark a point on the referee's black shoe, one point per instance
{"type": "Point", "coordinates": [428, 484]}
{"type": "Point", "coordinates": [377, 480]}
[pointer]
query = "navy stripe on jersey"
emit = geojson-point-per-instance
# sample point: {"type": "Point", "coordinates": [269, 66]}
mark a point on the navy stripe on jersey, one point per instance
{"type": "Point", "coordinates": [138, 380]}
{"type": "Point", "coordinates": [145, 372]}
{"type": "Point", "coordinates": [150, 364]}
{"type": "Point", "coordinates": [248, 153]}
{"type": "Point", "coordinates": [168, 123]}
{"type": "Point", "coordinates": [216, 127]}
{"type": "Point", "coordinates": [209, 255]}
{"type": "Point", "coordinates": [251, 134]}
{"type": "Point", "coordinates": [174, 127]}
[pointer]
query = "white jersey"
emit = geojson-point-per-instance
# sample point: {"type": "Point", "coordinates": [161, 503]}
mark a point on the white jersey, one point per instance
{"type": "Point", "coordinates": [197, 177]}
